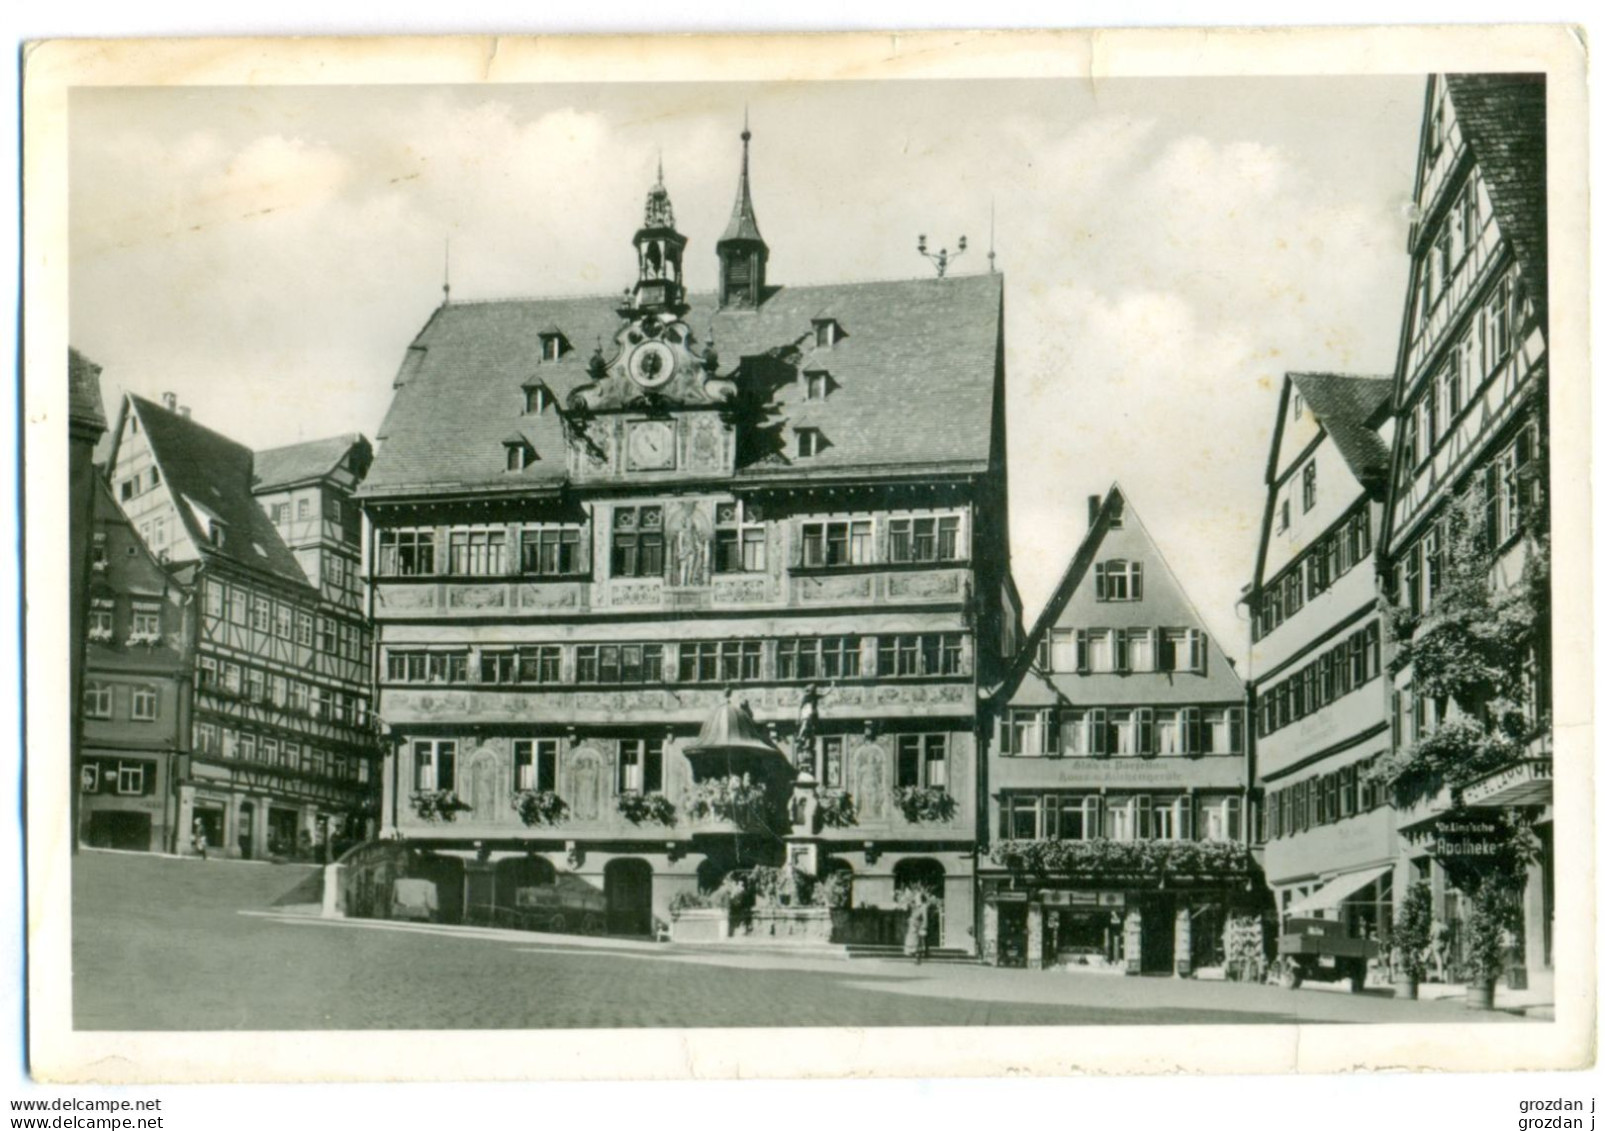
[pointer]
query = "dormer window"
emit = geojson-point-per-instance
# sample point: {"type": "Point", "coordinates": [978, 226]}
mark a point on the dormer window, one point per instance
{"type": "Point", "coordinates": [827, 332]}
{"type": "Point", "coordinates": [520, 454]}
{"type": "Point", "coordinates": [216, 533]}
{"type": "Point", "coordinates": [553, 344]}
{"type": "Point", "coordinates": [816, 384]}
{"type": "Point", "coordinates": [810, 442]}
{"type": "Point", "coordinates": [536, 398]}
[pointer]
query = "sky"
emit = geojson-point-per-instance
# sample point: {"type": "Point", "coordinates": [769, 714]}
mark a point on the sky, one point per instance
{"type": "Point", "coordinates": [1171, 248]}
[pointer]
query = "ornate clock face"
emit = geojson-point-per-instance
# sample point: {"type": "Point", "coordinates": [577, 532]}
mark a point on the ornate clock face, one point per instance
{"type": "Point", "coordinates": [651, 365]}
{"type": "Point", "coordinates": [651, 445]}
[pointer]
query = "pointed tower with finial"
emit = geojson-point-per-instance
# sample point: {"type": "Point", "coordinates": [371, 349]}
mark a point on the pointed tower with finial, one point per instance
{"type": "Point", "coordinates": [660, 250]}
{"type": "Point", "coordinates": [743, 256]}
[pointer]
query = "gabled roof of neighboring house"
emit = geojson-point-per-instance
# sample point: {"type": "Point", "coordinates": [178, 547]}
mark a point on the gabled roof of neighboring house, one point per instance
{"type": "Point", "coordinates": [1165, 605]}
{"type": "Point", "coordinates": [209, 476]}
{"type": "Point", "coordinates": [914, 380]}
{"type": "Point", "coordinates": [84, 406]}
{"type": "Point", "coordinates": [1502, 120]}
{"type": "Point", "coordinates": [293, 464]}
{"type": "Point", "coordinates": [1348, 406]}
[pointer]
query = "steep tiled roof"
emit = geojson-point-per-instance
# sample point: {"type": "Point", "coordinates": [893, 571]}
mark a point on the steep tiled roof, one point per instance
{"type": "Point", "coordinates": [1347, 405]}
{"type": "Point", "coordinates": [84, 405]}
{"type": "Point", "coordinates": [298, 463]}
{"type": "Point", "coordinates": [912, 380]}
{"type": "Point", "coordinates": [210, 474]}
{"type": "Point", "coordinates": [1502, 119]}
{"type": "Point", "coordinates": [1164, 605]}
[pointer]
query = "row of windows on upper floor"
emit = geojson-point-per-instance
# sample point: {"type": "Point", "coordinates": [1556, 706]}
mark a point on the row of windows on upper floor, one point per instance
{"type": "Point", "coordinates": [243, 606]}
{"type": "Point", "coordinates": [133, 486]}
{"type": "Point", "coordinates": [282, 692]}
{"type": "Point", "coordinates": [1125, 651]}
{"type": "Point", "coordinates": [1089, 816]}
{"type": "Point", "coordinates": [143, 618]}
{"type": "Point", "coordinates": [1347, 666]}
{"type": "Point", "coordinates": [212, 740]}
{"type": "Point", "coordinates": [1512, 490]}
{"type": "Point", "coordinates": [919, 759]}
{"type": "Point", "coordinates": [1097, 732]}
{"type": "Point", "coordinates": [641, 546]}
{"type": "Point", "coordinates": [101, 700]}
{"type": "Point", "coordinates": [1335, 553]}
{"type": "Point", "coordinates": [1322, 800]}
{"type": "Point", "coordinates": [1467, 364]}
{"type": "Point", "coordinates": [887, 656]}
{"type": "Point", "coordinates": [121, 776]}
{"type": "Point", "coordinates": [281, 514]}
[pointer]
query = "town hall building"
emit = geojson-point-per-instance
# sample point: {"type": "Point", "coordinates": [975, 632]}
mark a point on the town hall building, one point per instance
{"type": "Point", "coordinates": [601, 531]}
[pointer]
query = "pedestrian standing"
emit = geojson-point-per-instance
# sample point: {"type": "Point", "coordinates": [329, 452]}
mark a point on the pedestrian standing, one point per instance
{"type": "Point", "coordinates": [198, 838]}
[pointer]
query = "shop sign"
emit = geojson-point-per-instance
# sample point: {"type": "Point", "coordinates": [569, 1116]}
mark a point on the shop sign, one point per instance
{"type": "Point", "coordinates": [1053, 898]}
{"type": "Point", "coordinates": [1111, 899]}
{"type": "Point", "coordinates": [1468, 837]}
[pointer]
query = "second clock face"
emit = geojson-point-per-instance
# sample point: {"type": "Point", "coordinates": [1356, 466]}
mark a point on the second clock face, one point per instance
{"type": "Point", "coordinates": [651, 445]}
{"type": "Point", "coordinates": [651, 365]}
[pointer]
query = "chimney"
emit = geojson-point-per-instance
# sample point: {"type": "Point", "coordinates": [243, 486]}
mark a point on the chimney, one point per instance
{"type": "Point", "coordinates": [183, 410]}
{"type": "Point", "coordinates": [1093, 503]}
{"type": "Point", "coordinates": [170, 402]}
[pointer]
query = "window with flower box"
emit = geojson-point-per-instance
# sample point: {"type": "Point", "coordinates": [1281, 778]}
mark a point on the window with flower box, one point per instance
{"type": "Point", "coordinates": [641, 765]}
{"type": "Point", "coordinates": [434, 764]}
{"type": "Point", "coordinates": [100, 620]}
{"type": "Point", "coordinates": [922, 760]}
{"type": "Point", "coordinates": [535, 764]}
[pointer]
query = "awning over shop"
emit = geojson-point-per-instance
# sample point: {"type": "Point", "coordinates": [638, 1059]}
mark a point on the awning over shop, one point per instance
{"type": "Point", "coordinates": [1528, 782]}
{"type": "Point", "coordinates": [1328, 896]}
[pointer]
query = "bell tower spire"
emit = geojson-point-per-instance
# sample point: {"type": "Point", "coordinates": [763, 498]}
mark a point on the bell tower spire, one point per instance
{"type": "Point", "coordinates": [660, 251]}
{"type": "Point", "coordinates": [743, 256]}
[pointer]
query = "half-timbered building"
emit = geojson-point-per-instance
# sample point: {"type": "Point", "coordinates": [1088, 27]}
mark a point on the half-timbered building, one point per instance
{"type": "Point", "coordinates": [1319, 691]}
{"type": "Point", "coordinates": [280, 749]}
{"type": "Point", "coordinates": [594, 521]}
{"type": "Point", "coordinates": [1469, 468]}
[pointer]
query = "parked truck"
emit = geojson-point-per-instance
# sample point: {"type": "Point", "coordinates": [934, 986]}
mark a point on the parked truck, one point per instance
{"type": "Point", "coordinates": [1323, 950]}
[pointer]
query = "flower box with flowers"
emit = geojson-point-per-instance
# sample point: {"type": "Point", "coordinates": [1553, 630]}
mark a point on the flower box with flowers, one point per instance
{"type": "Point", "coordinates": [147, 639]}
{"type": "Point", "coordinates": [925, 804]}
{"type": "Point", "coordinates": [436, 804]}
{"type": "Point", "coordinates": [539, 807]}
{"type": "Point", "coordinates": [836, 810]}
{"type": "Point", "coordinates": [100, 636]}
{"type": "Point", "coordinates": [640, 808]}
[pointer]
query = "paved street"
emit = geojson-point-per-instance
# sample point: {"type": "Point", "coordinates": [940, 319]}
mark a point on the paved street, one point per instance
{"type": "Point", "coordinates": [162, 943]}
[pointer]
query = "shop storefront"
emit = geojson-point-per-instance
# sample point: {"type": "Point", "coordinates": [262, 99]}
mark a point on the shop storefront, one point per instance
{"type": "Point", "coordinates": [1131, 929]}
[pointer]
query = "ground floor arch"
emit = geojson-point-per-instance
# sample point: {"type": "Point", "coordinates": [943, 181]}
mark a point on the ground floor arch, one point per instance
{"type": "Point", "coordinates": [627, 886]}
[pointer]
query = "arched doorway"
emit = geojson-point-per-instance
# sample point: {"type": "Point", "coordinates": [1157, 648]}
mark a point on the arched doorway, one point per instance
{"type": "Point", "coordinates": [518, 872]}
{"type": "Point", "coordinates": [922, 878]}
{"type": "Point", "coordinates": [628, 887]}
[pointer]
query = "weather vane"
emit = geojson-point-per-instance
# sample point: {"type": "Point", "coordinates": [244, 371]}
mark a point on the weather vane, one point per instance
{"type": "Point", "coordinates": [942, 258]}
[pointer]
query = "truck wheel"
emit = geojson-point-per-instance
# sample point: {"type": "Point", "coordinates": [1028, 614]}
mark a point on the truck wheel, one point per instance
{"type": "Point", "coordinates": [592, 924]}
{"type": "Point", "coordinates": [557, 924]}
